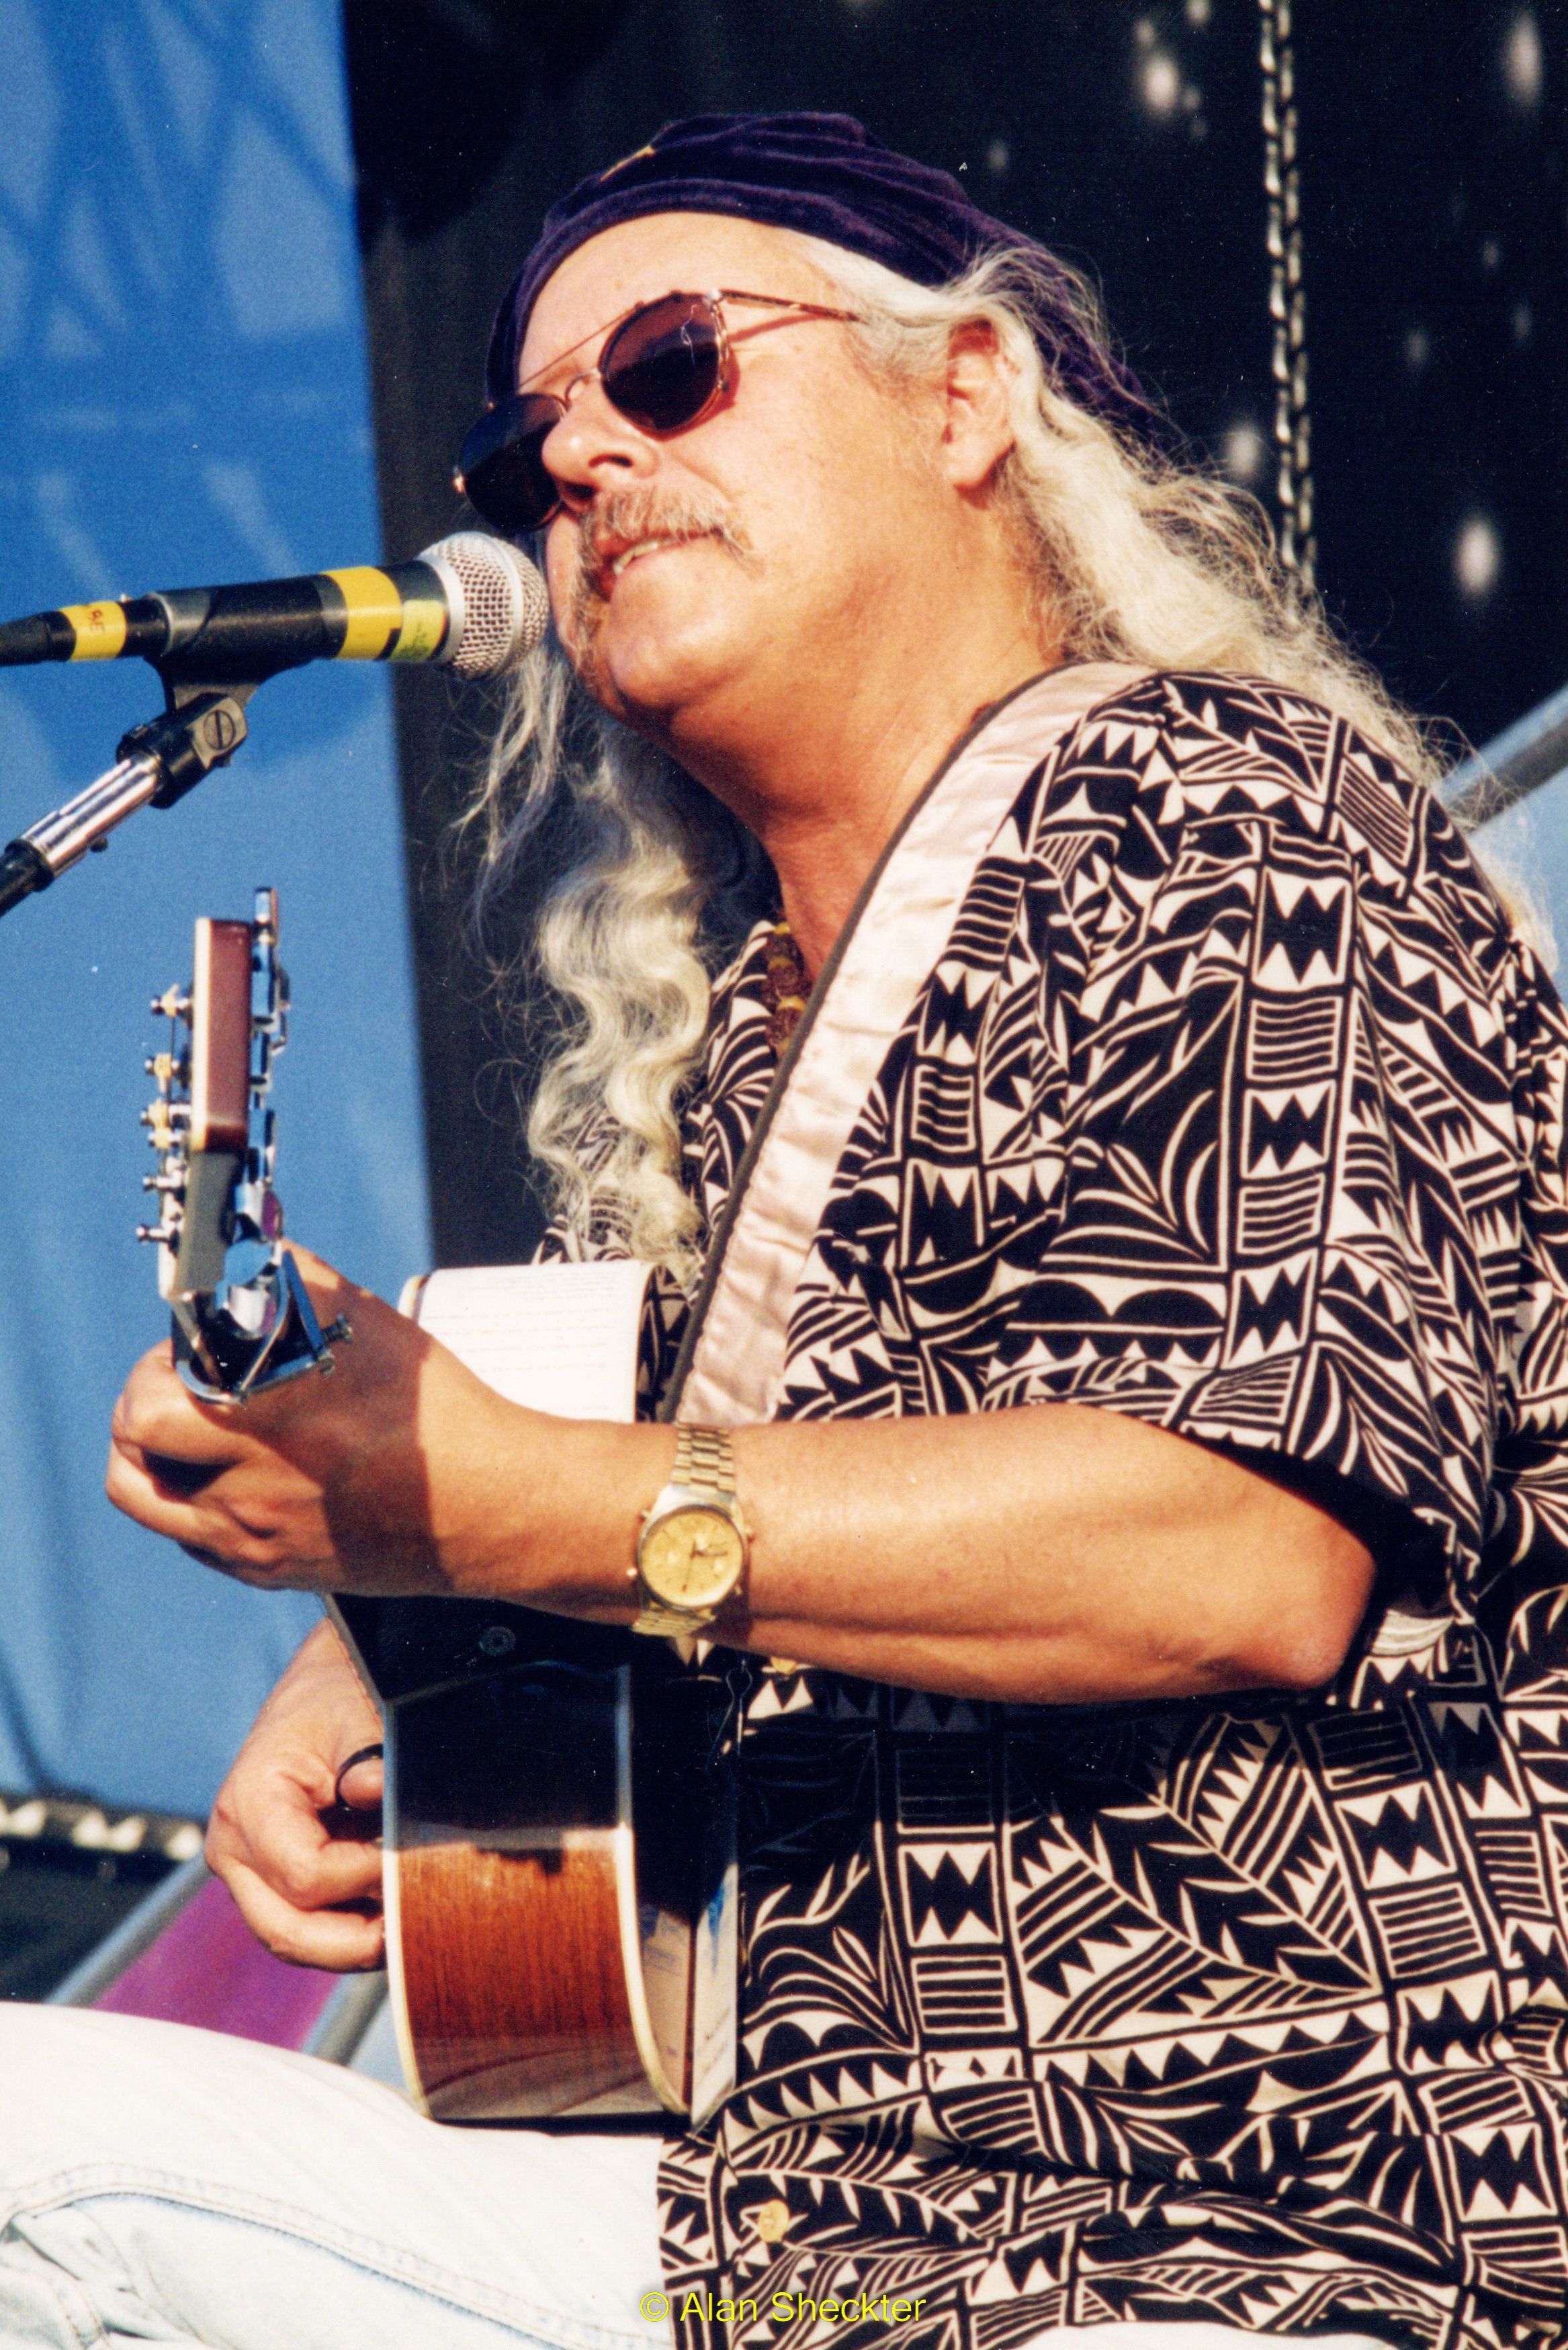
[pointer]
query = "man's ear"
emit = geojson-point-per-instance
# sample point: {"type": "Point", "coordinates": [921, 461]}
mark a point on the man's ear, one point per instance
{"type": "Point", "coordinates": [978, 431]}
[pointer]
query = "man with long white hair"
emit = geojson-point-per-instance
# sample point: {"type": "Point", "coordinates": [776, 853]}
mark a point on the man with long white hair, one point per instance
{"type": "Point", "coordinates": [1112, 1252]}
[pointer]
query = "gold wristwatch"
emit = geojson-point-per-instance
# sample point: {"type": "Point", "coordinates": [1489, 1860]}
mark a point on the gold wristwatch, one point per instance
{"type": "Point", "coordinates": [691, 1551]}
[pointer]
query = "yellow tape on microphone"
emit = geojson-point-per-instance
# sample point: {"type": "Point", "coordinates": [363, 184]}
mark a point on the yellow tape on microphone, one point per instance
{"type": "Point", "coordinates": [384, 624]}
{"type": "Point", "coordinates": [374, 611]}
{"type": "Point", "coordinates": [100, 630]}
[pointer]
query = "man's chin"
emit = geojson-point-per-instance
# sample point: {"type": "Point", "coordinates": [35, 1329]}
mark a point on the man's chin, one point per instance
{"type": "Point", "coordinates": [643, 678]}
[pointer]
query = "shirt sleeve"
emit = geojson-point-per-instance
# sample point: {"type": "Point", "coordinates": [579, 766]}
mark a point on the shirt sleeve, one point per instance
{"type": "Point", "coordinates": [1287, 1217]}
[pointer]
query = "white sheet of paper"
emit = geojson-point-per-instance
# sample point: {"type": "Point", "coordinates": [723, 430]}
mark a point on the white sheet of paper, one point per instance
{"type": "Point", "coordinates": [554, 1337]}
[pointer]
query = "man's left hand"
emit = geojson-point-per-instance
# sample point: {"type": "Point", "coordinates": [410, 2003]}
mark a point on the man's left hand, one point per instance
{"type": "Point", "coordinates": [322, 1484]}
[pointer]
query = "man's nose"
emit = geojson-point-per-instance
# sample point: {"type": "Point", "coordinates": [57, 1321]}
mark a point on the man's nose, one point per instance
{"type": "Point", "coordinates": [595, 448]}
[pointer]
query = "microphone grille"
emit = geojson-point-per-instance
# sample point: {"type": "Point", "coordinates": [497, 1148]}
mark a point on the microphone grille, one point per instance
{"type": "Point", "coordinates": [501, 609]}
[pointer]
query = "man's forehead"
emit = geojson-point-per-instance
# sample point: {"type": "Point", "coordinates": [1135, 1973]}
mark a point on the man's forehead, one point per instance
{"type": "Point", "coordinates": [694, 253]}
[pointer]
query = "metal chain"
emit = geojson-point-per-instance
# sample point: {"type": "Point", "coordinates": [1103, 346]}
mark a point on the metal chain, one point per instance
{"type": "Point", "coordinates": [1287, 297]}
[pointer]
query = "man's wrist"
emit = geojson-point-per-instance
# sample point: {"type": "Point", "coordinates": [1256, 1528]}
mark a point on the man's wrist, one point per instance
{"type": "Point", "coordinates": [550, 1512]}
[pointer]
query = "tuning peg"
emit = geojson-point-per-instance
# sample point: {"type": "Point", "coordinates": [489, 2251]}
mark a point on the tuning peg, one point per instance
{"type": "Point", "coordinates": [174, 1004]}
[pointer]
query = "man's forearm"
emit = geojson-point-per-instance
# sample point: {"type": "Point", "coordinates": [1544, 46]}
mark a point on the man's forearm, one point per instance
{"type": "Point", "coordinates": [1055, 1553]}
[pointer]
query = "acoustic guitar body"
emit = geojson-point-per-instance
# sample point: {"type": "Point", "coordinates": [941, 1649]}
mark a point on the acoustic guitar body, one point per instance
{"type": "Point", "coordinates": [558, 1862]}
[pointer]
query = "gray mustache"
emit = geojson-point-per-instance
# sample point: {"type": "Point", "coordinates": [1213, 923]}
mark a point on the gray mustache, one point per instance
{"type": "Point", "coordinates": [640, 515]}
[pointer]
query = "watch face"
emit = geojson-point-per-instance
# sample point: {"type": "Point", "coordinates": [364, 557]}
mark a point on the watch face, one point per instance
{"type": "Point", "coordinates": [692, 1558]}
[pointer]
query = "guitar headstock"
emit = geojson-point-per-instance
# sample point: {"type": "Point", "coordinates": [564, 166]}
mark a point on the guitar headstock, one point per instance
{"type": "Point", "coordinates": [214, 1133]}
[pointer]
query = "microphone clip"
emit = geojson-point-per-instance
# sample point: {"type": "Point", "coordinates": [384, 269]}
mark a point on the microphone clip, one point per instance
{"type": "Point", "coordinates": [201, 729]}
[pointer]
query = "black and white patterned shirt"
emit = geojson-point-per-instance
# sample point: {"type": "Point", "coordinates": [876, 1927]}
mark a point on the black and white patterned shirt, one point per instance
{"type": "Point", "coordinates": [1233, 1104]}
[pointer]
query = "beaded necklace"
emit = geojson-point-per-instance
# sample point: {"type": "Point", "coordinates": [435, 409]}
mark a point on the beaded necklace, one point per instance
{"type": "Point", "coordinates": [787, 983]}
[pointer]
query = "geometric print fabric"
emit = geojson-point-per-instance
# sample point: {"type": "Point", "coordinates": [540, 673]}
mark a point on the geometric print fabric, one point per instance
{"type": "Point", "coordinates": [1233, 1103]}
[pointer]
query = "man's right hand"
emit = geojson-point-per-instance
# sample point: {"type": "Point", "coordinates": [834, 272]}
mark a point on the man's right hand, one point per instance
{"type": "Point", "coordinates": [312, 1896]}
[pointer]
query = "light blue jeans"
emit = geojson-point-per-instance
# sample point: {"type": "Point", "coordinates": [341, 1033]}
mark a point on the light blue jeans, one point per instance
{"type": "Point", "coordinates": [162, 2185]}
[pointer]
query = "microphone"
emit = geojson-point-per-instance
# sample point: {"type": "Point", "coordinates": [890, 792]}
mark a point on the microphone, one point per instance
{"type": "Point", "coordinates": [471, 603]}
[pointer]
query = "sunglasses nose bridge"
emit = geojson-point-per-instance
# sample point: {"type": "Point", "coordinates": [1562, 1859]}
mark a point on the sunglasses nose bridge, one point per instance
{"type": "Point", "coordinates": [569, 392]}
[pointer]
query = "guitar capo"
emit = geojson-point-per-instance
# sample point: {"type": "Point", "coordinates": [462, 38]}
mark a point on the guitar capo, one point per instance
{"type": "Point", "coordinates": [294, 1343]}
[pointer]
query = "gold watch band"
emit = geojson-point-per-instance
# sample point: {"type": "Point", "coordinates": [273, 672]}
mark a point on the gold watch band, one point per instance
{"type": "Point", "coordinates": [705, 1459]}
{"type": "Point", "coordinates": [668, 1623]}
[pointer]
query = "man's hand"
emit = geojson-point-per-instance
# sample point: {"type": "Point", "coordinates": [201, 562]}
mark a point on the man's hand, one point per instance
{"type": "Point", "coordinates": [324, 1483]}
{"type": "Point", "coordinates": [304, 1883]}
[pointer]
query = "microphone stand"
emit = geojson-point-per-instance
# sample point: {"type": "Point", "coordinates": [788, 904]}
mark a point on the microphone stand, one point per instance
{"type": "Point", "coordinates": [155, 763]}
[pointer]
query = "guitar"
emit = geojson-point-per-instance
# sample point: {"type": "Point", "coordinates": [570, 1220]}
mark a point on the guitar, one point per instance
{"type": "Point", "coordinates": [558, 1823]}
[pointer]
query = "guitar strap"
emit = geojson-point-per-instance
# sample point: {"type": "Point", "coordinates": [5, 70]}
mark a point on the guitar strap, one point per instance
{"type": "Point", "coordinates": [732, 1365]}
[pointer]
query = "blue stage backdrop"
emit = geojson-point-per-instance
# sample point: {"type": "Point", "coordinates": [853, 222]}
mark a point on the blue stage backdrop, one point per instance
{"type": "Point", "coordinates": [182, 400]}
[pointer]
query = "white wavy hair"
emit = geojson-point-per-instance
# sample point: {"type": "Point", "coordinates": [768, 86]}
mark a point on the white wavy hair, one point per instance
{"type": "Point", "coordinates": [1133, 558]}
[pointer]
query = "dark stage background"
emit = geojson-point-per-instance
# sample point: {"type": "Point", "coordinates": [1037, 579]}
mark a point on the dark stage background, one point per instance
{"type": "Point", "coordinates": [1128, 137]}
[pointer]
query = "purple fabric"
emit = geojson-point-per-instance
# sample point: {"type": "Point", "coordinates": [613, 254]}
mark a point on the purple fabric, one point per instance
{"type": "Point", "coordinates": [826, 175]}
{"type": "Point", "coordinates": [207, 1968]}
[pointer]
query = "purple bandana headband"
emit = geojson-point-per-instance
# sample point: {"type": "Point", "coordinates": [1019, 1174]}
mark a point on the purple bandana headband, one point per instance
{"type": "Point", "coordinates": [825, 176]}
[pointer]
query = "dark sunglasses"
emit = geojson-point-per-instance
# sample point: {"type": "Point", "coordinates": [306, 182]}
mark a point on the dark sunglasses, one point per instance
{"type": "Point", "coordinates": [664, 365]}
